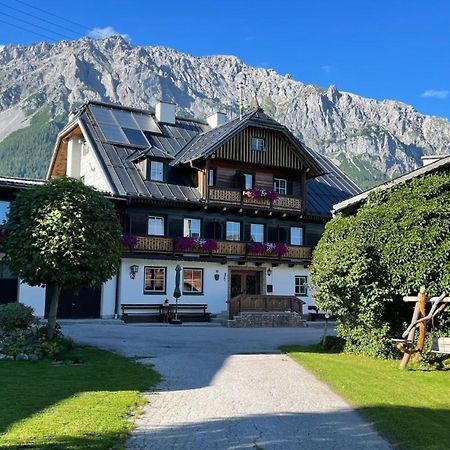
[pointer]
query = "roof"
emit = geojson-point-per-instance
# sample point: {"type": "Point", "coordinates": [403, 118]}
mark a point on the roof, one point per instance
{"type": "Point", "coordinates": [350, 205]}
{"type": "Point", "coordinates": [19, 183]}
{"type": "Point", "coordinates": [186, 141]}
{"type": "Point", "coordinates": [209, 141]}
{"type": "Point", "coordinates": [324, 191]}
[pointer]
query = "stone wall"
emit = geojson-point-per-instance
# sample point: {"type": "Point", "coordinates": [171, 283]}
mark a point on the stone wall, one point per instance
{"type": "Point", "coordinates": [267, 320]}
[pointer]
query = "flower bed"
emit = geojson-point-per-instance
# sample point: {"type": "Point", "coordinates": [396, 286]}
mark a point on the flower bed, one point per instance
{"type": "Point", "coordinates": [261, 193]}
{"type": "Point", "coordinates": [189, 243]}
{"type": "Point", "coordinates": [266, 248]}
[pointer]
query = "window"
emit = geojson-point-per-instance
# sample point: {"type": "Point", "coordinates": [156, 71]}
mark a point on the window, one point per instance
{"type": "Point", "coordinates": [191, 228]}
{"type": "Point", "coordinates": [301, 285]}
{"type": "Point", "coordinates": [280, 186]}
{"type": "Point", "coordinates": [233, 231]}
{"type": "Point", "coordinates": [258, 144]}
{"type": "Point", "coordinates": [156, 226]}
{"type": "Point", "coordinates": [248, 181]}
{"type": "Point", "coordinates": [296, 236]}
{"type": "Point", "coordinates": [192, 281]}
{"type": "Point", "coordinates": [156, 171]}
{"type": "Point", "coordinates": [257, 232]}
{"type": "Point", "coordinates": [155, 280]}
{"type": "Point", "coordinates": [211, 177]}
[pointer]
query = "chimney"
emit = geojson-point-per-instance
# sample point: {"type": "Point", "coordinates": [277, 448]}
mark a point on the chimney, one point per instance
{"type": "Point", "coordinates": [429, 159]}
{"type": "Point", "coordinates": [165, 112]}
{"type": "Point", "coordinates": [217, 119]}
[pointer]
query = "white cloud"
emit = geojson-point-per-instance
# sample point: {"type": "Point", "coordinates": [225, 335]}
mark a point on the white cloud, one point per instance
{"type": "Point", "coordinates": [434, 93]}
{"type": "Point", "coordinates": [326, 68]}
{"type": "Point", "coordinates": [102, 33]}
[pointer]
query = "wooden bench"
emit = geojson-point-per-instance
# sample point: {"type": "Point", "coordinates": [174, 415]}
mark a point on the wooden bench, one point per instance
{"type": "Point", "coordinates": [139, 312]}
{"type": "Point", "coordinates": [441, 345]}
{"type": "Point", "coordinates": [190, 312]}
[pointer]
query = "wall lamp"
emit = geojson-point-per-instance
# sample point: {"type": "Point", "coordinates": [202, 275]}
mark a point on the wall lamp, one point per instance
{"type": "Point", "coordinates": [134, 269]}
{"type": "Point", "coordinates": [269, 272]}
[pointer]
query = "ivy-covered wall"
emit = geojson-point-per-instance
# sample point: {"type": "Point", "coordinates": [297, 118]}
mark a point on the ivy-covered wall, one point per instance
{"type": "Point", "coordinates": [364, 264]}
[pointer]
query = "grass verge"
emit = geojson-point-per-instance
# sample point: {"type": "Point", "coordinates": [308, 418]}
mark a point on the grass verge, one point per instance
{"type": "Point", "coordinates": [411, 407]}
{"type": "Point", "coordinates": [71, 406]}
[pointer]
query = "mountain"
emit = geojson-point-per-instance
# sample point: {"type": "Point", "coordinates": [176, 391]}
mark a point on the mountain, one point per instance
{"type": "Point", "coordinates": [40, 83]}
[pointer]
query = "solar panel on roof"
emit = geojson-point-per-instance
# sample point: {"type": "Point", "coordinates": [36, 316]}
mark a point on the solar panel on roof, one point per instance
{"type": "Point", "coordinates": [103, 115]}
{"type": "Point", "coordinates": [113, 133]}
{"type": "Point", "coordinates": [125, 119]}
{"type": "Point", "coordinates": [136, 137]}
{"type": "Point", "coordinates": [146, 123]}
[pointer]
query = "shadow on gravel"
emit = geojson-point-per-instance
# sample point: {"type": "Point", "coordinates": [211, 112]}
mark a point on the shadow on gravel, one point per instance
{"type": "Point", "coordinates": [284, 431]}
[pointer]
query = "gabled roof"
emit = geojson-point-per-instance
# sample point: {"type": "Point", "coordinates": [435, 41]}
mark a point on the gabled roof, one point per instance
{"type": "Point", "coordinates": [188, 140]}
{"type": "Point", "coordinates": [209, 141]}
{"type": "Point", "coordinates": [350, 205]}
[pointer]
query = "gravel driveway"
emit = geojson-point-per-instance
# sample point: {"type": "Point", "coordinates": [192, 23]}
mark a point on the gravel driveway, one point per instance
{"type": "Point", "coordinates": [229, 388]}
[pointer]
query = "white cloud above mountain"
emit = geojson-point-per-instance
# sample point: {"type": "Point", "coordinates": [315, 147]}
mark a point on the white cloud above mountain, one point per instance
{"type": "Point", "coordinates": [436, 93]}
{"type": "Point", "coordinates": [102, 33]}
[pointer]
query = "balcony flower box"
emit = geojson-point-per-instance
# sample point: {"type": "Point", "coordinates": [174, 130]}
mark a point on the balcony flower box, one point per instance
{"type": "Point", "coordinates": [189, 243]}
{"type": "Point", "coordinates": [261, 193]}
{"type": "Point", "coordinates": [262, 248]}
{"type": "Point", "coordinates": [130, 241]}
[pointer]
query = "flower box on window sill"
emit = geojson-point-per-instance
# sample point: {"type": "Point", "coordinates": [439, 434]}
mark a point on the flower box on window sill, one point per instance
{"type": "Point", "coordinates": [130, 241]}
{"type": "Point", "coordinates": [189, 243]}
{"type": "Point", "coordinates": [261, 193]}
{"type": "Point", "coordinates": [259, 248]}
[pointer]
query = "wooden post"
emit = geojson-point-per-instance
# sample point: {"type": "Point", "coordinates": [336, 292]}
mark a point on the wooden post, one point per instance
{"type": "Point", "coordinates": [423, 325]}
{"type": "Point", "coordinates": [410, 338]}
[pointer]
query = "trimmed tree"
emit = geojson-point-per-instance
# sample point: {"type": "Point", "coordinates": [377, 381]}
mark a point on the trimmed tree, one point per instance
{"type": "Point", "coordinates": [62, 234]}
{"type": "Point", "coordinates": [398, 241]}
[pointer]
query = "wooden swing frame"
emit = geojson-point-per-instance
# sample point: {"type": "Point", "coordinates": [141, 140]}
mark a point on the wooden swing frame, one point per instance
{"type": "Point", "coordinates": [420, 320]}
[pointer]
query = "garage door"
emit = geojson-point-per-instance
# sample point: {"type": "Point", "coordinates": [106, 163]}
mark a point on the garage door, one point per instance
{"type": "Point", "coordinates": [81, 304]}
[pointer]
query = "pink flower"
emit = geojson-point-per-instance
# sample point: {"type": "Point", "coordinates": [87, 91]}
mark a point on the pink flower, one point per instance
{"type": "Point", "coordinates": [129, 240]}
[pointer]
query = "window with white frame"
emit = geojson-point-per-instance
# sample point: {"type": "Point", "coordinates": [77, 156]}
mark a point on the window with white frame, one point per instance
{"type": "Point", "coordinates": [156, 172]}
{"type": "Point", "coordinates": [301, 285]}
{"type": "Point", "coordinates": [155, 280]}
{"type": "Point", "coordinates": [258, 144]}
{"type": "Point", "coordinates": [192, 281]}
{"type": "Point", "coordinates": [257, 232]}
{"type": "Point", "coordinates": [156, 226]}
{"type": "Point", "coordinates": [211, 177]}
{"type": "Point", "coordinates": [233, 231]}
{"type": "Point", "coordinates": [296, 236]}
{"type": "Point", "coordinates": [191, 227]}
{"type": "Point", "coordinates": [248, 181]}
{"type": "Point", "coordinates": [280, 186]}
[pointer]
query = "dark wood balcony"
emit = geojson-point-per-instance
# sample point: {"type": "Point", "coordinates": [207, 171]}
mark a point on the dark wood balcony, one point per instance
{"type": "Point", "coordinates": [235, 250]}
{"type": "Point", "coordinates": [236, 197]}
{"type": "Point", "coordinates": [264, 303]}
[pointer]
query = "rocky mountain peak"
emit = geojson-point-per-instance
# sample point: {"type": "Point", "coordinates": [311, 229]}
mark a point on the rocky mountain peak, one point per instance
{"type": "Point", "coordinates": [369, 139]}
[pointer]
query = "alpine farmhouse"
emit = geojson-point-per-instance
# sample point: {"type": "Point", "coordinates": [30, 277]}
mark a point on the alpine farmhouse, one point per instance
{"type": "Point", "coordinates": [239, 205]}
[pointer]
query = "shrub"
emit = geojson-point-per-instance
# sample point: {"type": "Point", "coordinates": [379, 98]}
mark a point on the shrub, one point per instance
{"type": "Point", "coordinates": [15, 316]}
{"type": "Point", "coordinates": [398, 241]}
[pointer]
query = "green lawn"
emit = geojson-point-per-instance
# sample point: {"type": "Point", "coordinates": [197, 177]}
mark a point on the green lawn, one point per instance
{"type": "Point", "coordinates": [85, 406]}
{"type": "Point", "coordinates": [411, 408]}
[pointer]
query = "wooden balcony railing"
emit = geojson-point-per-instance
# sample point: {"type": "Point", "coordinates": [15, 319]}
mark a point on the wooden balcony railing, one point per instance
{"type": "Point", "coordinates": [245, 302]}
{"type": "Point", "coordinates": [236, 197]}
{"type": "Point", "coordinates": [163, 245]}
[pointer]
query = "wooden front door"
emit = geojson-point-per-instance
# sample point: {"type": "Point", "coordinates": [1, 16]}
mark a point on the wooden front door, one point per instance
{"type": "Point", "coordinates": [245, 282]}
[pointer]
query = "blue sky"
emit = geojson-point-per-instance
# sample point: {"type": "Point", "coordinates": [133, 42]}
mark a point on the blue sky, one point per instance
{"type": "Point", "coordinates": [381, 49]}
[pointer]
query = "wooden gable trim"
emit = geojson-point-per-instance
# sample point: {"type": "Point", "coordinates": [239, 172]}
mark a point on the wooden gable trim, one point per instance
{"type": "Point", "coordinates": [58, 164]}
{"type": "Point", "coordinates": [280, 152]}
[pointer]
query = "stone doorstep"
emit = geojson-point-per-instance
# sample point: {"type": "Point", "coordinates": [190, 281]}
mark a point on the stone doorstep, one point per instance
{"type": "Point", "coordinates": [265, 319]}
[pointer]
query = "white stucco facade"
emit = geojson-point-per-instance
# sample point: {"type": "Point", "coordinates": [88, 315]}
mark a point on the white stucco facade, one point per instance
{"type": "Point", "coordinates": [216, 285]}
{"type": "Point", "coordinates": [33, 296]}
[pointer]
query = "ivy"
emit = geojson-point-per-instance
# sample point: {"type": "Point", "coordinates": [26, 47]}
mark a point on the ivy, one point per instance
{"type": "Point", "coordinates": [398, 241]}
